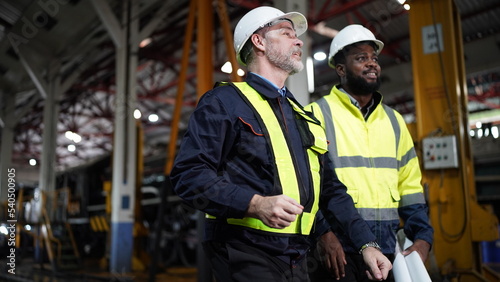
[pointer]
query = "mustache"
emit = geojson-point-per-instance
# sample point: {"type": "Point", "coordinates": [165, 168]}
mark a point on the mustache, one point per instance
{"type": "Point", "coordinates": [296, 50]}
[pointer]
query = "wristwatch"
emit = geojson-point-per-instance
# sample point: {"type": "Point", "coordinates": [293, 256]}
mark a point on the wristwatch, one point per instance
{"type": "Point", "coordinates": [369, 244]}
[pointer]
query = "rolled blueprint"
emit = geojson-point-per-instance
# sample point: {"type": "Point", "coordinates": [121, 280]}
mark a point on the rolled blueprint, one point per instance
{"type": "Point", "coordinates": [400, 269]}
{"type": "Point", "coordinates": [416, 267]}
{"type": "Point", "coordinates": [414, 264]}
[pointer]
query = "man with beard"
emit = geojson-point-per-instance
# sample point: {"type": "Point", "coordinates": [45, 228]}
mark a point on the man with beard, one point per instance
{"type": "Point", "coordinates": [252, 159]}
{"type": "Point", "coordinates": [373, 156]}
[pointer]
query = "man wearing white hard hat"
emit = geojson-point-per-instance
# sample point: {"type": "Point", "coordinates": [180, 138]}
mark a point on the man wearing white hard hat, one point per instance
{"type": "Point", "coordinates": [251, 159]}
{"type": "Point", "coordinates": [374, 157]}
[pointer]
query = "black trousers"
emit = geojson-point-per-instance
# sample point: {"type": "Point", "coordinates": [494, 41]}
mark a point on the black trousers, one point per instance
{"type": "Point", "coordinates": [354, 270]}
{"type": "Point", "coordinates": [241, 262]}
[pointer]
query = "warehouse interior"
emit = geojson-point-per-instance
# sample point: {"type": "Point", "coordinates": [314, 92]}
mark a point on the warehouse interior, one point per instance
{"type": "Point", "coordinates": [95, 96]}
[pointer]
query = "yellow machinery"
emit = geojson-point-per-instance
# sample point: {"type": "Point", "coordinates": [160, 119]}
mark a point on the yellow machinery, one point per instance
{"type": "Point", "coordinates": [460, 223]}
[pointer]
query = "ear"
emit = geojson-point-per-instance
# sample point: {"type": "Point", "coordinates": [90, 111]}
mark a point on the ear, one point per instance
{"type": "Point", "coordinates": [258, 42]}
{"type": "Point", "coordinates": [340, 68]}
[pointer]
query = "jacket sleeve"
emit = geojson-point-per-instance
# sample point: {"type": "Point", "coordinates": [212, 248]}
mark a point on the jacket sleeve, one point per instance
{"type": "Point", "coordinates": [412, 209]}
{"type": "Point", "coordinates": [198, 172]}
{"type": "Point", "coordinates": [338, 208]}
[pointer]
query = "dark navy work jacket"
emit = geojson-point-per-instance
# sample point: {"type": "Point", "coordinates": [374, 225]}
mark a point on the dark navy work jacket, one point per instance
{"type": "Point", "coordinates": [224, 160]}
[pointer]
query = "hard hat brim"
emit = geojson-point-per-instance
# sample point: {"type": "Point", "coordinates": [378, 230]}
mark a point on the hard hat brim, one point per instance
{"type": "Point", "coordinates": [298, 20]}
{"type": "Point", "coordinates": [380, 46]}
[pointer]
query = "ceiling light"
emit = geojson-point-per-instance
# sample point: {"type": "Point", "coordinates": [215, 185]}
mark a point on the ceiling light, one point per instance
{"type": "Point", "coordinates": [310, 74]}
{"type": "Point", "coordinates": [75, 137]}
{"type": "Point", "coordinates": [153, 118]}
{"type": "Point", "coordinates": [32, 162]}
{"type": "Point", "coordinates": [406, 7]}
{"type": "Point", "coordinates": [137, 114]}
{"type": "Point", "coordinates": [145, 42]}
{"type": "Point", "coordinates": [227, 67]}
{"type": "Point", "coordinates": [401, 1]}
{"type": "Point", "coordinates": [494, 132]}
{"type": "Point", "coordinates": [68, 134]}
{"type": "Point", "coordinates": [320, 56]}
{"type": "Point", "coordinates": [71, 147]}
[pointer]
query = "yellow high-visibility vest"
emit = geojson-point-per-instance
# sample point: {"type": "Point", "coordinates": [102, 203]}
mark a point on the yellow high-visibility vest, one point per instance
{"type": "Point", "coordinates": [284, 163]}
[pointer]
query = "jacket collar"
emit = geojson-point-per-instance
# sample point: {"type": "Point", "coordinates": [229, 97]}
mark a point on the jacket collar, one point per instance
{"type": "Point", "coordinates": [265, 87]}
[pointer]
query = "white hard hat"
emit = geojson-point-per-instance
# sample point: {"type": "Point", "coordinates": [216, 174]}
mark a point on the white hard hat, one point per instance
{"type": "Point", "coordinates": [351, 34]}
{"type": "Point", "coordinates": [258, 18]}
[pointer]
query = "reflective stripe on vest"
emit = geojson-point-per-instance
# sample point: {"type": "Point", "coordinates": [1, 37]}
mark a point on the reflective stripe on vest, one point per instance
{"type": "Point", "coordinates": [284, 163]}
{"type": "Point", "coordinates": [359, 161]}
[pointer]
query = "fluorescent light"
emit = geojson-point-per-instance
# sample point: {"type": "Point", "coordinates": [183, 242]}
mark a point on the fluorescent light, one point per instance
{"type": "Point", "coordinates": [310, 74]}
{"type": "Point", "coordinates": [153, 118]}
{"type": "Point", "coordinates": [137, 114]}
{"type": "Point", "coordinates": [75, 137]}
{"type": "Point", "coordinates": [227, 67]}
{"type": "Point", "coordinates": [4, 230]}
{"type": "Point", "coordinates": [145, 42]}
{"type": "Point", "coordinates": [494, 132]}
{"type": "Point", "coordinates": [320, 56]}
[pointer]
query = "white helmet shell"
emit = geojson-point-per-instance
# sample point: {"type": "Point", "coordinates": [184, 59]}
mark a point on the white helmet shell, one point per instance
{"type": "Point", "coordinates": [351, 34]}
{"type": "Point", "coordinates": [258, 18]}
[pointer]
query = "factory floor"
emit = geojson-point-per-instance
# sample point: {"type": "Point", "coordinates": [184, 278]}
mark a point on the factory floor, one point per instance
{"type": "Point", "coordinates": [91, 271]}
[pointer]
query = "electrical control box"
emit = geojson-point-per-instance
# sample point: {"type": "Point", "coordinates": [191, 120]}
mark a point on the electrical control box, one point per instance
{"type": "Point", "coordinates": [440, 152]}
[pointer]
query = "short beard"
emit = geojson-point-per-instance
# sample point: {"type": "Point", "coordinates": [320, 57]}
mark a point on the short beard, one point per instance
{"type": "Point", "coordinates": [359, 86]}
{"type": "Point", "coordinates": [284, 61]}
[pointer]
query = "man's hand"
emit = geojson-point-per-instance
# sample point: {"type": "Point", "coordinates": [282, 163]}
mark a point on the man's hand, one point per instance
{"type": "Point", "coordinates": [275, 211]}
{"type": "Point", "coordinates": [378, 264]}
{"type": "Point", "coordinates": [421, 247]}
{"type": "Point", "coordinates": [333, 258]}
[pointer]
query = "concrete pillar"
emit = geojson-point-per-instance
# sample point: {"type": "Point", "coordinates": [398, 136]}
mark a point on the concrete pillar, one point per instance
{"type": "Point", "coordinates": [47, 178]}
{"type": "Point", "coordinates": [125, 35]}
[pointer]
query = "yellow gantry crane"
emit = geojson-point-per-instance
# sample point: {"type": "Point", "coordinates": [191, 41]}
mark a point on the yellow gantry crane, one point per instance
{"type": "Point", "coordinates": [460, 223]}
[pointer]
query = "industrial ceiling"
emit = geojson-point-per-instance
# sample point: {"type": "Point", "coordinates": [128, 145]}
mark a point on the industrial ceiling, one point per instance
{"type": "Point", "coordinates": [65, 41]}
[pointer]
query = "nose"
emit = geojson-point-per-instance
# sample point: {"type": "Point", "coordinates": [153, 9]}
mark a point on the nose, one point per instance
{"type": "Point", "coordinates": [299, 42]}
{"type": "Point", "coordinates": [373, 63]}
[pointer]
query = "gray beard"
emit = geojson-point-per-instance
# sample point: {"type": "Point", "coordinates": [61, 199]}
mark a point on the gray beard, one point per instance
{"type": "Point", "coordinates": [284, 61]}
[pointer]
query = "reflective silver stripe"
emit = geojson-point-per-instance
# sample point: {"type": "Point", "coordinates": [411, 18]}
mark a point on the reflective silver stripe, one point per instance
{"type": "Point", "coordinates": [329, 127]}
{"type": "Point", "coordinates": [407, 157]}
{"type": "Point", "coordinates": [359, 161]}
{"type": "Point", "coordinates": [411, 199]}
{"type": "Point", "coordinates": [395, 125]}
{"type": "Point", "coordinates": [379, 214]}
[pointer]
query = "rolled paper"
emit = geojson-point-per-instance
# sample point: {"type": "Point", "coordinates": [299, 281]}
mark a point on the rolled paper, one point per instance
{"type": "Point", "coordinates": [400, 269]}
{"type": "Point", "coordinates": [416, 267]}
